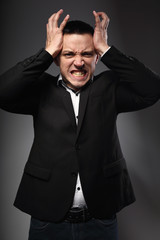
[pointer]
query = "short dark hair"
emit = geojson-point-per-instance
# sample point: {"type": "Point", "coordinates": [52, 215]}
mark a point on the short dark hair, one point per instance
{"type": "Point", "coordinates": [78, 27]}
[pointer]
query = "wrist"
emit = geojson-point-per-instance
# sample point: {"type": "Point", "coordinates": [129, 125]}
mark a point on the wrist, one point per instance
{"type": "Point", "coordinates": [52, 51]}
{"type": "Point", "coordinates": [105, 52]}
{"type": "Point", "coordinates": [103, 49]}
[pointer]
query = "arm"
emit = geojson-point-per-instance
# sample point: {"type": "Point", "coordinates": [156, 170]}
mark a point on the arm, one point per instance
{"type": "Point", "coordinates": [20, 86]}
{"type": "Point", "coordinates": [138, 87]}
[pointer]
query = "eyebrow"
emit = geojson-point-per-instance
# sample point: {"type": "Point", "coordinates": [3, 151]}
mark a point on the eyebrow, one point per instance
{"type": "Point", "coordinates": [85, 51]}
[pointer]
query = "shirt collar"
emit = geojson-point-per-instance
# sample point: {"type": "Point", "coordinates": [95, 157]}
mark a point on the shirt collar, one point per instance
{"type": "Point", "coordinates": [61, 82]}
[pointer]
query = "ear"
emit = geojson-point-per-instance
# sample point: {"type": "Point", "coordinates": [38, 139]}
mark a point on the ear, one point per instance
{"type": "Point", "coordinates": [97, 58]}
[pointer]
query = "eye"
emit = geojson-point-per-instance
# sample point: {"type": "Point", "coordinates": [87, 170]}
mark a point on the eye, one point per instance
{"type": "Point", "coordinates": [87, 54]}
{"type": "Point", "coordinates": [68, 54]}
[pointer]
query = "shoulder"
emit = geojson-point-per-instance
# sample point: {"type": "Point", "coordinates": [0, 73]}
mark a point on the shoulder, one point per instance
{"type": "Point", "coordinates": [105, 78]}
{"type": "Point", "coordinates": [45, 82]}
{"type": "Point", "coordinates": [104, 82]}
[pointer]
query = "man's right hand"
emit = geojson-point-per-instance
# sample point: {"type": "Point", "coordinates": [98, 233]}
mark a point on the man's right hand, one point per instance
{"type": "Point", "coordinates": [54, 39]}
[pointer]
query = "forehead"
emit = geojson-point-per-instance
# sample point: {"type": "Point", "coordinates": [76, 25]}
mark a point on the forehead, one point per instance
{"type": "Point", "coordinates": [78, 42]}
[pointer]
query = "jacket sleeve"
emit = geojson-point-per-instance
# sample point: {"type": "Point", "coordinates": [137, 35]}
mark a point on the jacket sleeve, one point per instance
{"type": "Point", "coordinates": [137, 86]}
{"type": "Point", "coordinates": [20, 86]}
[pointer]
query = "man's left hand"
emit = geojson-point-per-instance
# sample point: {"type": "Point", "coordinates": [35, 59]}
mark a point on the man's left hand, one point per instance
{"type": "Point", "coordinates": [100, 32]}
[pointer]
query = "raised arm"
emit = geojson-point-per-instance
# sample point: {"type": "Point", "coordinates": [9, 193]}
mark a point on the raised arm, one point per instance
{"type": "Point", "coordinates": [19, 85]}
{"type": "Point", "coordinates": [138, 86]}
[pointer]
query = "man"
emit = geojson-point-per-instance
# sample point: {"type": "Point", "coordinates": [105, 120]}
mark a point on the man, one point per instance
{"type": "Point", "coordinates": [76, 178]}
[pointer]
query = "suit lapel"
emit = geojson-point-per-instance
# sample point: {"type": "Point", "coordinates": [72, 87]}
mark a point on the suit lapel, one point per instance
{"type": "Point", "coordinates": [82, 107]}
{"type": "Point", "coordinates": [69, 107]}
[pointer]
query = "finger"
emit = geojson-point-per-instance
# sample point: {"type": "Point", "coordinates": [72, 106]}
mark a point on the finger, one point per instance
{"type": "Point", "coordinates": [56, 18]}
{"type": "Point", "coordinates": [49, 24]}
{"type": "Point", "coordinates": [47, 30]}
{"type": "Point", "coordinates": [63, 24]}
{"type": "Point", "coordinates": [105, 19]}
{"type": "Point", "coordinates": [97, 19]}
{"type": "Point", "coordinates": [53, 20]}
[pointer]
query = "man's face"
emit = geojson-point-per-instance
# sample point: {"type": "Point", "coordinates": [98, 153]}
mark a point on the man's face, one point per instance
{"type": "Point", "coordinates": [77, 59]}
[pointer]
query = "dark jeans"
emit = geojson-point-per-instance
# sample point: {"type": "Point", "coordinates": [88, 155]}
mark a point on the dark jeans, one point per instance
{"type": "Point", "coordinates": [94, 229]}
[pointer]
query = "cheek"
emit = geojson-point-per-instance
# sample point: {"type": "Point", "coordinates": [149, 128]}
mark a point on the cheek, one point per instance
{"type": "Point", "coordinates": [92, 66]}
{"type": "Point", "coordinates": [65, 66]}
{"type": "Point", "coordinates": [92, 63]}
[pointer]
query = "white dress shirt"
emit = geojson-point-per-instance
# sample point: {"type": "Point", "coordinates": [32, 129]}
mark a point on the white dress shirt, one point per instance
{"type": "Point", "coordinates": [78, 200]}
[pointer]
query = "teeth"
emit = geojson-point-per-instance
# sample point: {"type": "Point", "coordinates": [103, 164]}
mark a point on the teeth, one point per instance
{"type": "Point", "coordinates": [78, 73]}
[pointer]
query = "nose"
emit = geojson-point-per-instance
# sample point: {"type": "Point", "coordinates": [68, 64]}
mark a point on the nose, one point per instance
{"type": "Point", "coordinates": [78, 61]}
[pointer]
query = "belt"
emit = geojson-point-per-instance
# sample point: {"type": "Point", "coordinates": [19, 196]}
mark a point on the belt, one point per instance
{"type": "Point", "coordinates": [77, 215]}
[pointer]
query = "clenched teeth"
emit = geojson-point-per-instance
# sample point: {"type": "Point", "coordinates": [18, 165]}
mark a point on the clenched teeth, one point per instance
{"type": "Point", "coordinates": [79, 73]}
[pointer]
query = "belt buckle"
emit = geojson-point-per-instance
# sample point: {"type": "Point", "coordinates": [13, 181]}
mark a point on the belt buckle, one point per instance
{"type": "Point", "coordinates": [77, 215]}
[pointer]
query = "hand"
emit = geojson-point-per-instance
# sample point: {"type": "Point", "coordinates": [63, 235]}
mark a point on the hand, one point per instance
{"type": "Point", "coordinates": [100, 32]}
{"type": "Point", "coordinates": [54, 39]}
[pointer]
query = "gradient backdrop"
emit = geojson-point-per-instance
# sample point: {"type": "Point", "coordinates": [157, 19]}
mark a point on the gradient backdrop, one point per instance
{"type": "Point", "coordinates": [134, 29]}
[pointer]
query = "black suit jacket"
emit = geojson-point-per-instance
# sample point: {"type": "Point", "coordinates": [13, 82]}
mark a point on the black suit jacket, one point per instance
{"type": "Point", "coordinates": [60, 149]}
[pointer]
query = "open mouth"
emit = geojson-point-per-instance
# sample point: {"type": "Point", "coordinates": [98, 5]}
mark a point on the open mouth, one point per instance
{"type": "Point", "coordinates": [79, 73]}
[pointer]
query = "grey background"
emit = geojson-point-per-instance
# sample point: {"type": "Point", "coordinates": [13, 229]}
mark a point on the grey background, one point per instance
{"type": "Point", "coordinates": [134, 29]}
